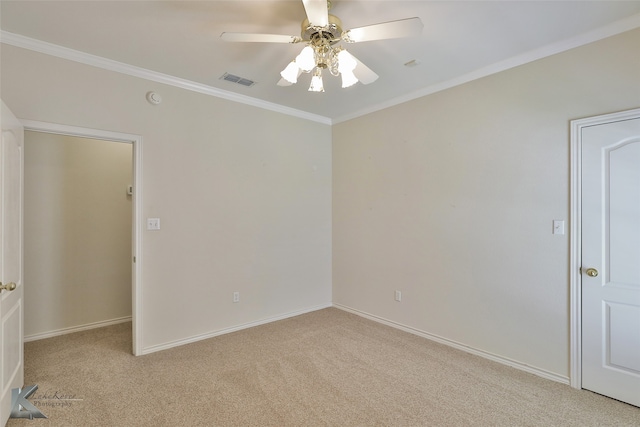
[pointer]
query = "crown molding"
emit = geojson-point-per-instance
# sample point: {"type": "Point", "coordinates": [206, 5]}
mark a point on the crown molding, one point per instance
{"type": "Point", "coordinates": [51, 49]}
{"type": "Point", "coordinates": [612, 29]}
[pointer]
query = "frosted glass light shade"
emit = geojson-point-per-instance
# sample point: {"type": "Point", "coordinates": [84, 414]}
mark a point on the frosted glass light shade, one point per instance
{"type": "Point", "coordinates": [306, 59]}
{"type": "Point", "coordinates": [316, 82]}
{"type": "Point", "coordinates": [346, 61]}
{"type": "Point", "coordinates": [290, 73]}
{"type": "Point", "coordinates": [348, 79]}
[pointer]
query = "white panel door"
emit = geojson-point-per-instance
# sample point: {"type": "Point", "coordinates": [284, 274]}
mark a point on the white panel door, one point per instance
{"type": "Point", "coordinates": [11, 313]}
{"type": "Point", "coordinates": [611, 259]}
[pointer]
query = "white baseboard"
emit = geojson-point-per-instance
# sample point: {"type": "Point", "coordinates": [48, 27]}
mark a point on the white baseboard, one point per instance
{"type": "Point", "coordinates": [494, 357]}
{"type": "Point", "coordinates": [200, 337]}
{"type": "Point", "coordinates": [70, 330]}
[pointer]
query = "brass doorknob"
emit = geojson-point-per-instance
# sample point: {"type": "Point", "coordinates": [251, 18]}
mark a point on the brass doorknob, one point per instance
{"type": "Point", "coordinates": [8, 287]}
{"type": "Point", "coordinates": [592, 272]}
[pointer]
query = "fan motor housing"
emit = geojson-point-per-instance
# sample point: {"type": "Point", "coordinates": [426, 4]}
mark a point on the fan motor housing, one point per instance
{"type": "Point", "coordinates": [331, 32]}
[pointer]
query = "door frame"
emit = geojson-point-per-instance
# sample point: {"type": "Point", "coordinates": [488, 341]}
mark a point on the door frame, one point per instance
{"type": "Point", "coordinates": [136, 232]}
{"type": "Point", "coordinates": [575, 255]}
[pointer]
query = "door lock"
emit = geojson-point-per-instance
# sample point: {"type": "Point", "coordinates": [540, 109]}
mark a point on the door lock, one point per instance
{"type": "Point", "coordinates": [8, 287]}
{"type": "Point", "coordinates": [592, 272]}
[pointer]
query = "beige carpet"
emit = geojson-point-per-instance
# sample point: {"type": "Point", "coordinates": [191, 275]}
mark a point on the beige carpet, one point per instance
{"type": "Point", "coordinates": [326, 368]}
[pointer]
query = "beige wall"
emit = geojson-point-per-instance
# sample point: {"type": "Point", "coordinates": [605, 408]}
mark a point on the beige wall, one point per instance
{"type": "Point", "coordinates": [77, 231]}
{"type": "Point", "coordinates": [450, 199]}
{"type": "Point", "coordinates": [243, 194]}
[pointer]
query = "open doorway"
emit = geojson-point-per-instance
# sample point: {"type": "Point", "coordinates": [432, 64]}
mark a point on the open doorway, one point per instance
{"type": "Point", "coordinates": [82, 193]}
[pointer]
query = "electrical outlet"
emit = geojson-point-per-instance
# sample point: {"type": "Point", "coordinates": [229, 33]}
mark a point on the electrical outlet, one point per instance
{"type": "Point", "coordinates": [236, 297]}
{"type": "Point", "coordinates": [398, 296]}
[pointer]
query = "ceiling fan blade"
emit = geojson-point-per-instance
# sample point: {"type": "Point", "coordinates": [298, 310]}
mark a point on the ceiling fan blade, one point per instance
{"type": "Point", "coordinates": [317, 12]}
{"type": "Point", "coordinates": [386, 30]}
{"type": "Point", "coordinates": [259, 38]}
{"type": "Point", "coordinates": [363, 73]}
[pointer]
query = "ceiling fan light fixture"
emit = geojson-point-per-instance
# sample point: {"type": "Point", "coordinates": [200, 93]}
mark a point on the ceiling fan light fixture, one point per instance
{"type": "Point", "coordinates": [321, 32]}
{"type": "Point", "coordinates": [316, 81]}
{"type": "Point", "coordinates": [290, 73]}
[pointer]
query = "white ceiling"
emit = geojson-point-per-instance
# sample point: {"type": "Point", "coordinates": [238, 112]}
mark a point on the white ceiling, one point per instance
{"type": "Point", "coordinates": [461, 40]}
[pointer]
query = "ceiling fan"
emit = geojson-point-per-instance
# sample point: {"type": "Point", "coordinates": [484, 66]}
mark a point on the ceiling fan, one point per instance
{"type": "Point", "coordinates": [321, 32]}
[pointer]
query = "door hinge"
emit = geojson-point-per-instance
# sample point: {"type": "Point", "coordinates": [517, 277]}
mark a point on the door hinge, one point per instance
{"type": "Point", "coordinates": [134, 259]}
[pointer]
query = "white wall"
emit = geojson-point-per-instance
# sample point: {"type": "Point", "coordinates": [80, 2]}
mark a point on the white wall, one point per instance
{"type": "Point", "coordinates": [77, 239]}
{"type": "Point", "coordinates": [450, 199]}
{"type": "Point", "coordinates": [243, 194]}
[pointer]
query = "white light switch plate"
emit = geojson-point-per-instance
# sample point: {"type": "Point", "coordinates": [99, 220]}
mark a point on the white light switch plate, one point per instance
{"type": "Point", "coordinates": [153, 223]}
{"type": "Point", "coordinates": [558, 226]}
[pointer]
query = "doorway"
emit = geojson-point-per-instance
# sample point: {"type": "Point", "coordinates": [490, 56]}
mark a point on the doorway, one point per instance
{"type": "Point", "coordinates": [116, 143]}
{"type": "Point", "coordinates": [605, 247]}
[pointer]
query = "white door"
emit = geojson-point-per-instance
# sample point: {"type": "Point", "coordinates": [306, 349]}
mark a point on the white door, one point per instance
{"type": "Point", "coordinates": [11, 313]}
{"type": "Point", "coordinates": [610, 271]}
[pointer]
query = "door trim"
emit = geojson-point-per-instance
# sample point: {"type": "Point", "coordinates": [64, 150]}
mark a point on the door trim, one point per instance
{"type": "Point", "coordinates": [136, 141]}
{"type": "Point", "coordinates": [575, 251]}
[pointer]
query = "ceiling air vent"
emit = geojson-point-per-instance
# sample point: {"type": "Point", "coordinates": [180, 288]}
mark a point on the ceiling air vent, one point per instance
{"type": "Point", "coordinates": [239, 80]}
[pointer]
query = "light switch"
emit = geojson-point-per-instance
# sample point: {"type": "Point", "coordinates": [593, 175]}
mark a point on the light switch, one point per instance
{"type": "Point", "coordinates": [558, 226]}
{"type": "Point", "coordinates": [153, 223]}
